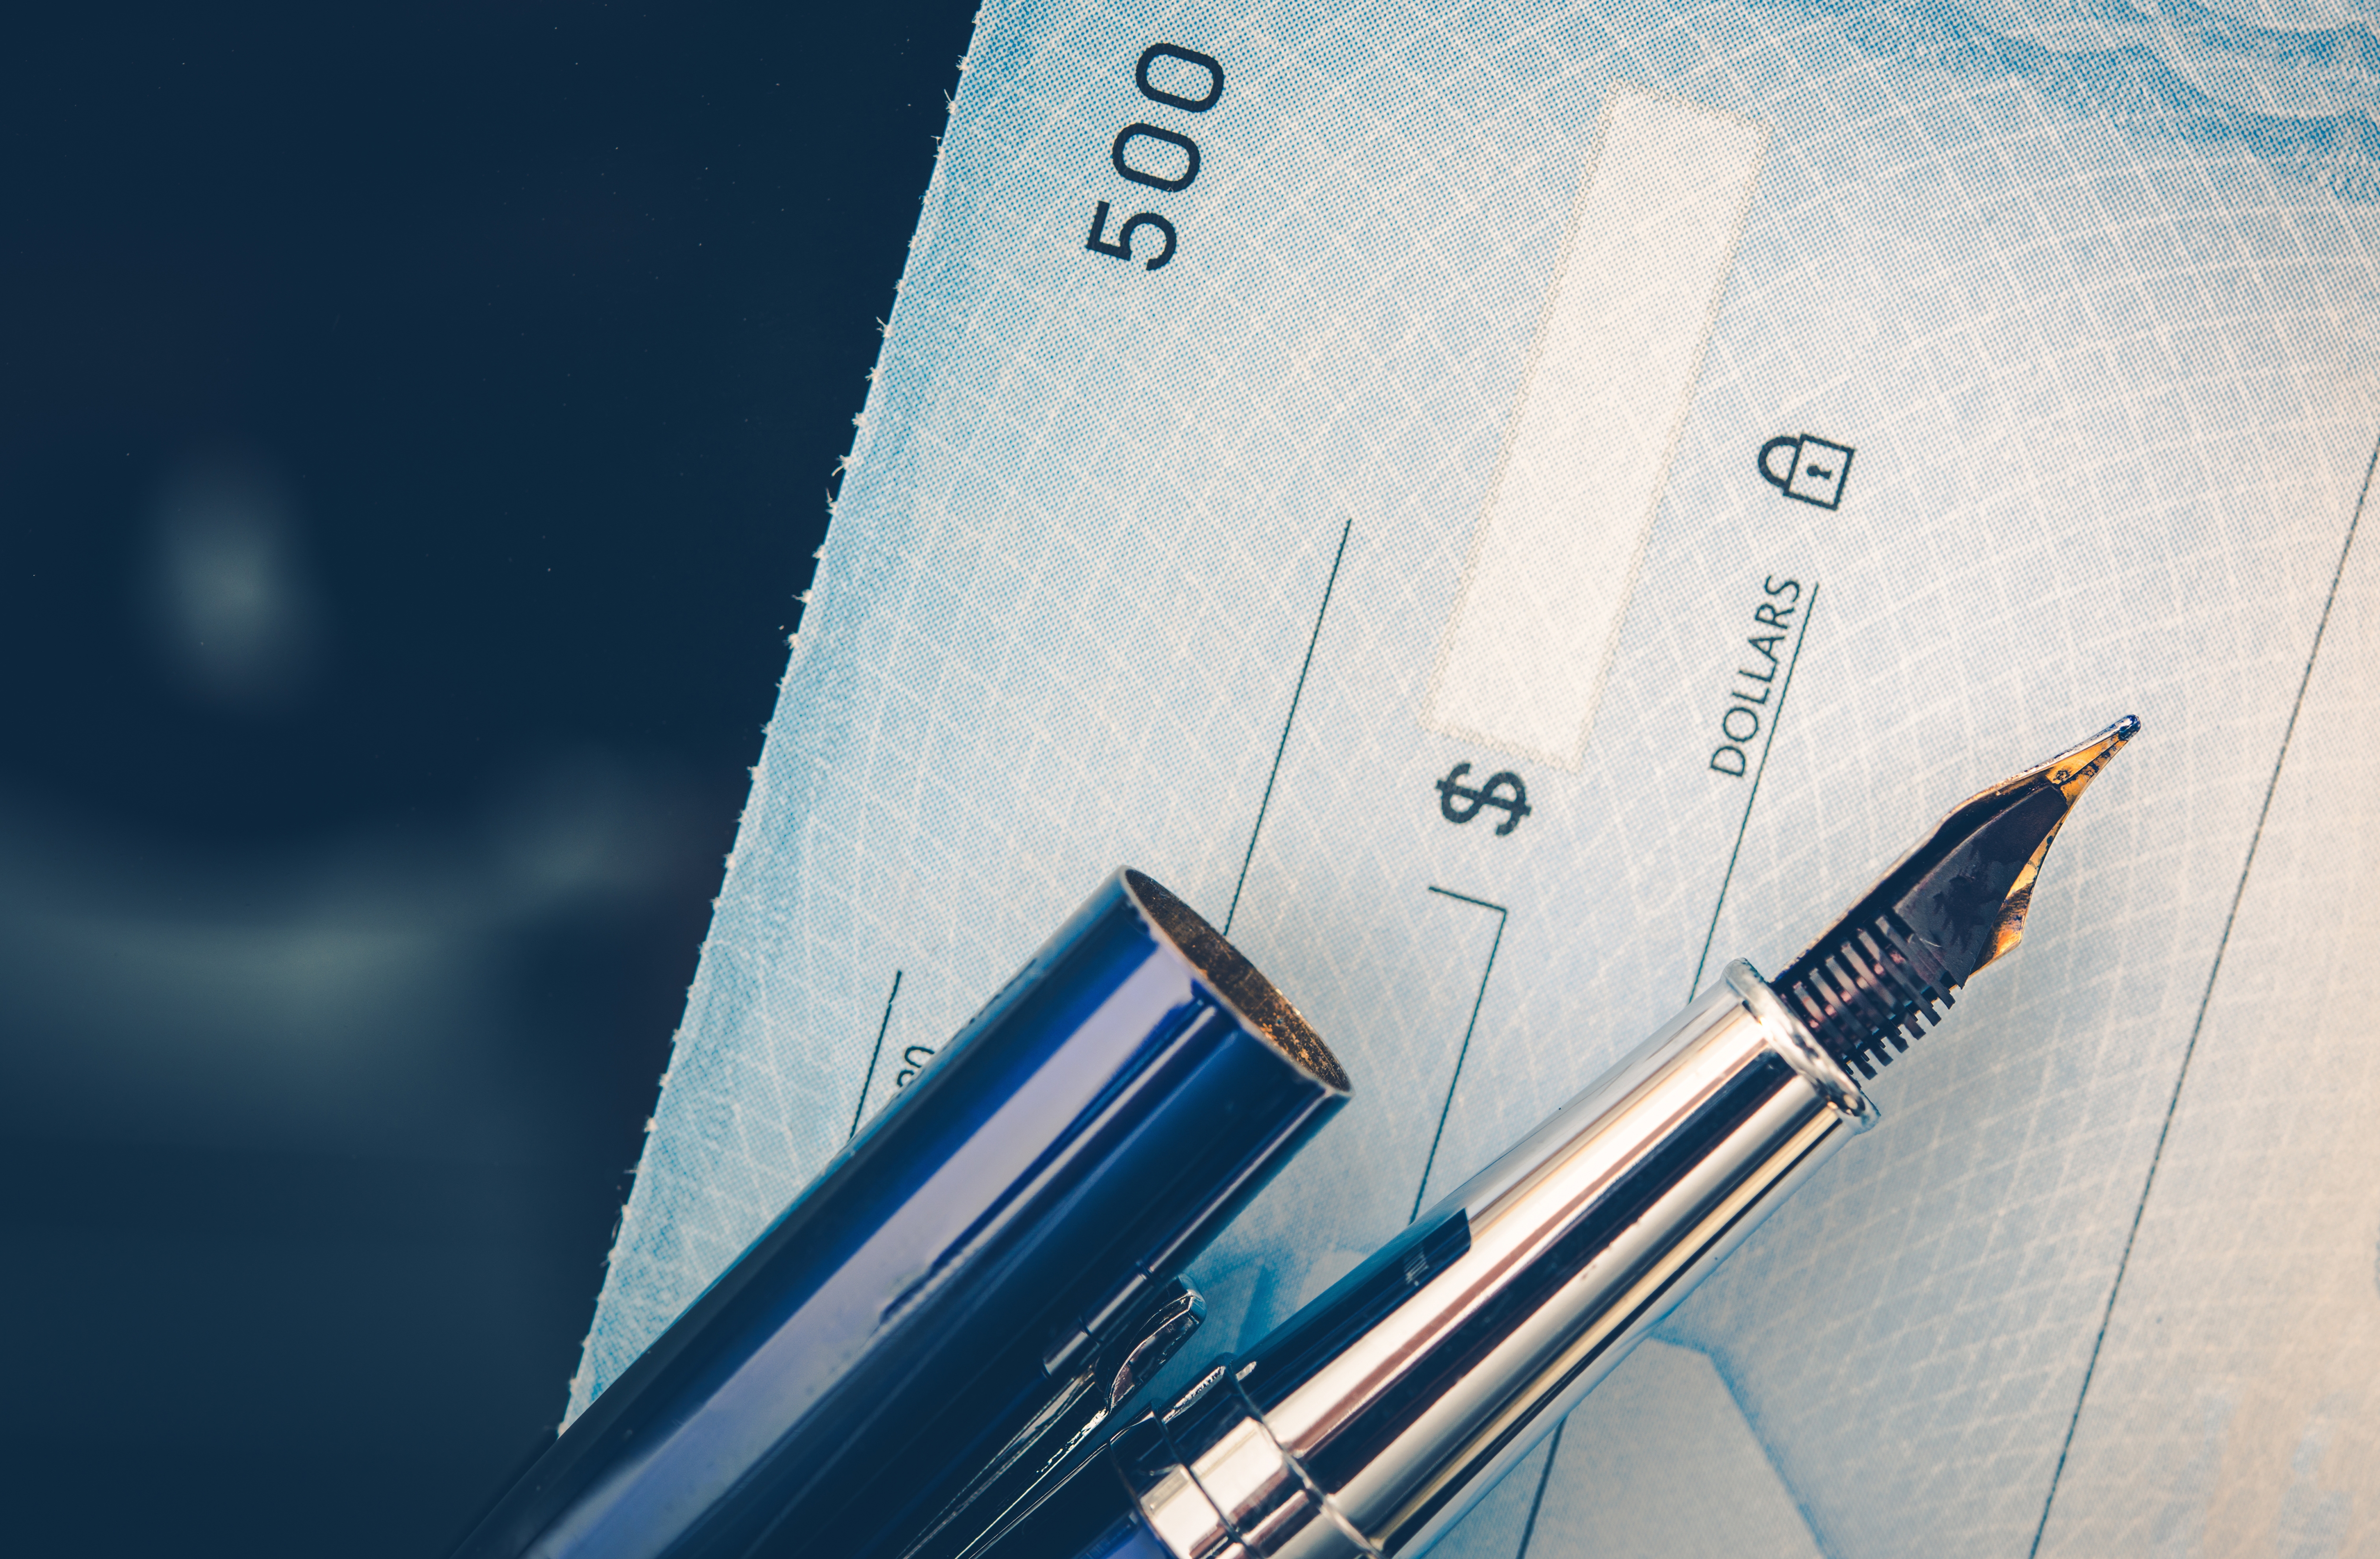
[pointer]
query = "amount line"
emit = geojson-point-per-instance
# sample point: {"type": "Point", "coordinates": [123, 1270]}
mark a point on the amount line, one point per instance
{"type": "Point", "coordinates": [1283, 746]}
{"type": "Point", "coordinates": [1776, 723]}
{"type": "Point", "coordinates": [2205, 1000]}
{"type": "Point", "coordinates": [1503, 916]}
{"type": "Point", "coordinates": [869, 1080]}
{"type": "Point", "coordinates": [1544, 1477]}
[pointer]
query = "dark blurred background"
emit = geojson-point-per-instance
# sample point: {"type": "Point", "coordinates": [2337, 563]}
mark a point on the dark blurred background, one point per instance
{"type": "Point", "coordinates": [418, 426]}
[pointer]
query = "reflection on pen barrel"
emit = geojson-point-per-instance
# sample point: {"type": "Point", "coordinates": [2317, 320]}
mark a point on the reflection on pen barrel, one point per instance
{"type": "Point", "coordinates": [1382, 1411]}
{"type": "Point", "coordinates": [971, 1290]}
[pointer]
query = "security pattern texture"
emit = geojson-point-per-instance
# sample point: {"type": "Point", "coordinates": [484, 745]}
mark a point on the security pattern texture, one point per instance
{"type": "Point", "coordinates": [2235, 1404]}
{"type": "Point", "coordinates": [2109, 370]}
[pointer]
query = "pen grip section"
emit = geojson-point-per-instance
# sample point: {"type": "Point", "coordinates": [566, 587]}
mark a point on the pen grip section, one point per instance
{"type": "Point", "coordinates": [1365, 1427]}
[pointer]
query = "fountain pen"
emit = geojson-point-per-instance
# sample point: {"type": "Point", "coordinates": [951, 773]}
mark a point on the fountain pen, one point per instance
{"type": "Point", "coordinates": [1370, 1420]}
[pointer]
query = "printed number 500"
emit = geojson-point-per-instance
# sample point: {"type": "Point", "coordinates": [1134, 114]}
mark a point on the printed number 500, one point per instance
{"type": "Point", "coordinates": [1201, 76]}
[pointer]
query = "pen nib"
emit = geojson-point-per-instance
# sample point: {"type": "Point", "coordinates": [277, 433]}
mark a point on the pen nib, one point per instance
{"type": "Point", "coordinates": [1874, 981]}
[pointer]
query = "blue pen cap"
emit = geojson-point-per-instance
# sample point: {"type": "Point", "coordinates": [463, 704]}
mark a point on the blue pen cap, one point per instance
{"type": "Point", "coordinates": [996, 1254]}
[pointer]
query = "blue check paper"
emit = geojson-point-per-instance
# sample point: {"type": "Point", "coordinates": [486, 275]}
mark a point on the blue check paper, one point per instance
{"type": "Point", "coordinates": [1507, 506]}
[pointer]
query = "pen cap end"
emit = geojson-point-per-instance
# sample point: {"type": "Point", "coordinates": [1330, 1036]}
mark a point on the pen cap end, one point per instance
{"type": "Point", "coordinates": [1252, 999]}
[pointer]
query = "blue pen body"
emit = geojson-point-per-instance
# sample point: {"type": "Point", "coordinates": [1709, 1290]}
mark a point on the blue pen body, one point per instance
{"type": "Point", "coordinates": [975, 1255]}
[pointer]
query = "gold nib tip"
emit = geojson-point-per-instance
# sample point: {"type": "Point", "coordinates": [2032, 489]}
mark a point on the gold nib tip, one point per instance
{"type": "Point", "coordinates": [2072, 770]}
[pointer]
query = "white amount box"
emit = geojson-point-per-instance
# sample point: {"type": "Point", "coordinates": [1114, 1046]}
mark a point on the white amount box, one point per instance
{"type": "Point", "coordinates": [1607, 389]}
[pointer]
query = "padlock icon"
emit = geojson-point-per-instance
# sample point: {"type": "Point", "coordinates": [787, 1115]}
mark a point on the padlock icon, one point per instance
{"type": "Point", "coordinates": [1808, 467]}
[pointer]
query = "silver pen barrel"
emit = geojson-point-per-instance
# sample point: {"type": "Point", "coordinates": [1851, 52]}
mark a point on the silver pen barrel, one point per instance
{"type": "Point", "coordinates": [1381, 1412]}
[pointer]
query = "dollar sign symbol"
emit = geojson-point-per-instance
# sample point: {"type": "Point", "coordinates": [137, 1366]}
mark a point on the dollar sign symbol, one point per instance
{"type": "Point", "coordinates": [1458, 803]}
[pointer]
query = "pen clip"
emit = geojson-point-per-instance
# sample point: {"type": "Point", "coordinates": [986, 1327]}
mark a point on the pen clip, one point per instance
{"type": "Point", "coordinates": [1140, 1348]}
